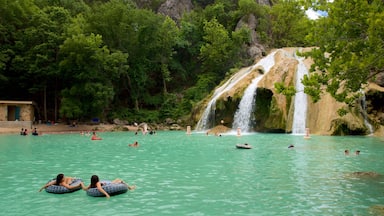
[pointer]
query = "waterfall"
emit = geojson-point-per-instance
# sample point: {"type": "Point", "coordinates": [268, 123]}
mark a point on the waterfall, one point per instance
{"type": "Point", "coordinates": [300, 109]}
{"type": "Point", "coordinates": [243, 116]}
{"type": "Point", "coordinates": [207, 119]}
{"type": "Point", "coordinates": [364, 111]}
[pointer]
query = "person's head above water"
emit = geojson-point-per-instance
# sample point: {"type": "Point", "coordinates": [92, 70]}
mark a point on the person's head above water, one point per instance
{"type": "Point", "coordinates": [94, 180]}
{"type": "Point", "coordinates": [291, 146]}
{"type": "Point", "coordinates": [59, 178]}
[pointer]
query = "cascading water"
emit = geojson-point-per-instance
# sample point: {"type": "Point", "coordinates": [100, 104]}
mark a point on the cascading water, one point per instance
{"type": "Point", "coordinates": [242, 118]}
{"type": "Point", "coordinates": [300, 113]}
{"type": "Point", "coordinates": [364, 112]}
{"type": "Point", "coordinates": [207, 119]}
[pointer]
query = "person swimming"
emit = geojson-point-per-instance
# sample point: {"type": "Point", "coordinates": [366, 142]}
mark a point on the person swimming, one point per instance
{"type": "Point", "coordinates": [95, 137]}
{"type": "Point", "coordinates": [135, 144]}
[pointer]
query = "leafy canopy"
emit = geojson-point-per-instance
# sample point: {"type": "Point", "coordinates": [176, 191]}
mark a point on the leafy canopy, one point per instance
{"type": "Point", "coordinates": [350, 47]}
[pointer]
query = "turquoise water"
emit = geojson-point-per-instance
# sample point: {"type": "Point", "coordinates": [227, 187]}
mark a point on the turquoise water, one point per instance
{"type": "Point", "coordinates": [176, 174]}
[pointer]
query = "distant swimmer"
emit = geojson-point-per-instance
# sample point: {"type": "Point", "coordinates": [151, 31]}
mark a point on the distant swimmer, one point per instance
{"type": "Point", "coordinates": [291, 146]}
{"type": "Point", "coordinates": [95, 137]}
{"type": "Point", "coordinates": [307, 136]}
{"type": "Point", "coordinates": [135, 144]}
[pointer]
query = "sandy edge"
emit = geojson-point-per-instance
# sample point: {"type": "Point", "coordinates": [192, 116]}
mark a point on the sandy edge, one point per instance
{"type": "Point", "coordinates": [62, 128]}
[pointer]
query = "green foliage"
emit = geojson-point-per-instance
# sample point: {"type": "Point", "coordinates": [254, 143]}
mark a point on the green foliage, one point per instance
{"type": "Point", "coordinates": [91, 58]}
{"type": "Point", "coordinates": [249, 7]}
{"type": "Point", "coordinates": [289, 24]}
{"type": "Point", "coordinates": [342, 112]}
{"type": "Point", "coordinates": [89, 67]}
{"type": "Point", "coordinates": [288, 91]}
{"type": "Point", "coordinates": [217, 43]}
{"type": "Point", "coordinates": [350, 48]}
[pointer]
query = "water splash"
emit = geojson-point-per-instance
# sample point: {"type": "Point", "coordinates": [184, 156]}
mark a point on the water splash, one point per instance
{"type": "Point", "coordinates": [301, 101]}
{"type": "Point", "coordinates": [207, 119]}
{"type": "Point", "coordinates": [243, 116]}
{"type": "Point", "coordinates": [364, 112]}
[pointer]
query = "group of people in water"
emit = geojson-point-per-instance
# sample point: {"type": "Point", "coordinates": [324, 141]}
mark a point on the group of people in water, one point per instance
{"type": "Point", "coordinates": [346, 152]}
{"type": "Point", "coordinates": [24, 132]}
{"type": "Point", "coordinates": [66, 181]}
{"type": "Point", "coordinates": [95, 137]}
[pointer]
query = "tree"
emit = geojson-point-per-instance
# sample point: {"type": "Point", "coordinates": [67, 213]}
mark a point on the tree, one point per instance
{"type": "Point", "coordinates": [167, 38]}
{"type": "Point", "coordinates": [350, 47]}
{"type": "Point", "coordinates": [289, 25]}
{"type": "Point", "coordinates": [215, 51]}
{"type": "Point", "coordinates": [88, 69]}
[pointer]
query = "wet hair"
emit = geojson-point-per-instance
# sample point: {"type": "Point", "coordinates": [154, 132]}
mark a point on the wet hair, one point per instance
{"type": "Point", "coordinates": [59, 178]}
{"type": "Point", "coordinates": [94, 180]}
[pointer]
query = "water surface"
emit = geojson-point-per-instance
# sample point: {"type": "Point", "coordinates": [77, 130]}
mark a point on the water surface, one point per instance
{"type": "Point", "coordinates": [177, 174]}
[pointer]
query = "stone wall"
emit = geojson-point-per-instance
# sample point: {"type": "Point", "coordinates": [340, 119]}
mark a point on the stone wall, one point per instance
{"type": "Point", "coordinates": [16, 124]}
{"type": "Point", "coordinates": [26, 112]}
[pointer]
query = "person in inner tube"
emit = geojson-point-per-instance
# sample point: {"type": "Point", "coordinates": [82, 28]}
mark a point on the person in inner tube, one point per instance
{"type": "Point", "coordinates": [62, 180]}
{"type": "Point", "coordinates": [95, 183]}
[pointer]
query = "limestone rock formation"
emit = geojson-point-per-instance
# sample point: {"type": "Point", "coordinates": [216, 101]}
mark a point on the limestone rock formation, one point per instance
{"type": "Point", "coordinates": [175, 8]}
{"type": "Point", "coordinates": [255, 49]}
{"type": "Point", "coordinates": [274, 112]}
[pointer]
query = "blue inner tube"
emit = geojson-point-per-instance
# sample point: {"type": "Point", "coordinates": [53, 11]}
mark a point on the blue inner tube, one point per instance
{"type": "Point", "coordinates": [57, 189]}
{"type": "Point", "coordinates": [111, 188]}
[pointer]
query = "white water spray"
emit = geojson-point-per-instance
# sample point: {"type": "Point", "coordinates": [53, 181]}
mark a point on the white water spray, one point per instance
{"type": "Point", "coordinates": [364, 111]}
{"type": "Point", "coordinates": [207, 119]}
{"type": "Point", "coordinates": [243, 116]}
{"type": "Point", "coordinates": [301, 101]}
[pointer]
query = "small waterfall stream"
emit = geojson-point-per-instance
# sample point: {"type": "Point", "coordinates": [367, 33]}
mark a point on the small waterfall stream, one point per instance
{"type": "Point", "coordinates": [207, 119]}
{"type": "Point", "coordinates": [300, 112]}
{"type": "Point", "coordinates": [243, 116]}
{"type": "Point", "coordinates": [364, 112]}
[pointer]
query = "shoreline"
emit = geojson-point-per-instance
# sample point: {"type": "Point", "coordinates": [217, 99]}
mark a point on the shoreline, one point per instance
{"type": "Point", "coordinates": [61, 128]}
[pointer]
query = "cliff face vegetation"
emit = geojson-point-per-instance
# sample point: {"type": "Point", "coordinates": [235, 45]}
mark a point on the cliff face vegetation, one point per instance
{"type": "Point", "coordinates": [274, 112]}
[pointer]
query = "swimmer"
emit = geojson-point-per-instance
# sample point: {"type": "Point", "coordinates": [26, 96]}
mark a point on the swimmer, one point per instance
{"type": "Point", "coordinates": [95, 137]}
{"type": "Point", "coordinates": [135, 144]}
{"type": "Point", "coordinates": [346, 152]}
{"type": "Point", "coordinates": [291, 146]}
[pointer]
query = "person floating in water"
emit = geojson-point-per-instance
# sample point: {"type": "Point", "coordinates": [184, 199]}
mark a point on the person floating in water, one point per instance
{"type": "Point", "coordinates": [62, 180]}
{"type": "Point", "coordinates": [357, 152]}
{"type": "Point", "coordinates": [291, 146]}
{"type": "Point", "coordinates": [346, 152]}
{"type": "Point", "coordinates": [95, 137]}
{"type": "Point", "coordinates": [135, 144]}
{"type": "Point", "coordinates": [95, 183]}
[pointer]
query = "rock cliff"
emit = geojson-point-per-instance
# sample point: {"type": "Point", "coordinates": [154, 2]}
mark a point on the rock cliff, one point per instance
{"type": "Point", "coordinates": [274, 112]}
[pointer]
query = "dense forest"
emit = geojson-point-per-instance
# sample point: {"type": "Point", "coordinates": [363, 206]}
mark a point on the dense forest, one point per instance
{"type": "Point", "coordinates": [81, 59]}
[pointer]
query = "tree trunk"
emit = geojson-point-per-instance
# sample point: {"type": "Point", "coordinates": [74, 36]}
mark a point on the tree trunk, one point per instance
{"type": "Point", "coordinates": [45, 103]}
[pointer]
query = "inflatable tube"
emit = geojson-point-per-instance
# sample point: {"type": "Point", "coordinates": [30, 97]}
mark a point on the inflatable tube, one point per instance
{"type": "Point", "coordinates": [111, 188]}
{"type": "Point", "coordinates": [243, 146]}
{"type": "Point", "coordinates": [57, 189]}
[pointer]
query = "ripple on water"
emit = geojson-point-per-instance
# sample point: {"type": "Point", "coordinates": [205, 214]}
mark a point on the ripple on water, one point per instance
{"type": "Point", "coordinates": [194, 175]}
